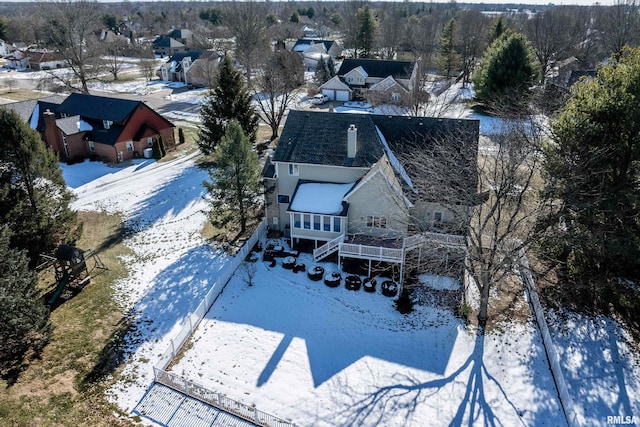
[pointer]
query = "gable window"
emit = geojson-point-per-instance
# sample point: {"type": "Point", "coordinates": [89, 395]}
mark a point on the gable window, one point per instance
{"type": "Point", "coordinates": [107, 124]}
{"type": "Point", "coordinates": [283, 198]}
{"type": "Point", "coordinates": [92, 146]}
{"type": "Point", "coordinates": [437, 217]}
{"type": "Point", "coordinates": [129, 146]}
{"type": "Point", "coordinates": [293, 169]}
{"type": "Point", "coordinates": [395, 97]}
{"type": "Point", "coordinates": [150, 141]}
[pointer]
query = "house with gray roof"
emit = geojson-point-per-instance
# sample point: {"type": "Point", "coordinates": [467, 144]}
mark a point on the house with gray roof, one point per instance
{"type": "Point", "coordinates": [356, 77]}
{"type": "Point", "coordinates": [104, 128]}
{"type": "Point", "coordinates": [342, 183]}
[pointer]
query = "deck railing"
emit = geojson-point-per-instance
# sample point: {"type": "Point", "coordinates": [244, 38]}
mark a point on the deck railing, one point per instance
{"type": "Point", "coordinates": [371, 252]}
{"type": "Point", "coordinates": [328, 248]}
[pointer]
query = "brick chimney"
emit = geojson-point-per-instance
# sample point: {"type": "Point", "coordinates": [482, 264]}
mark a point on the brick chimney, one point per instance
{"type": "Point", "coordinates": [352, 141]}
{"type": "Point", "coordinates": [52, 135]}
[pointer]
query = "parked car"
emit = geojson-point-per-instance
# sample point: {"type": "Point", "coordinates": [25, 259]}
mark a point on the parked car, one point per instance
{"type": "Point", "coordinates": [319, 99]}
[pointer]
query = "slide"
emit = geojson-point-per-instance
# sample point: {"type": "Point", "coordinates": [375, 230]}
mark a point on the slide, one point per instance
{"type": "Point", "coordinates": [61, 285]}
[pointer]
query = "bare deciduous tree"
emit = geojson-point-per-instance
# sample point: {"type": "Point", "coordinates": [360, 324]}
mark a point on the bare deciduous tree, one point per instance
{"type": "Point", "coordinates": [278, 86]}
{"type": "Point", "coordinates": [246, 21]}
{"type": "Point", "coordinates": [504, 207]}
{"type": "Point", "coordinates": [70, 27]}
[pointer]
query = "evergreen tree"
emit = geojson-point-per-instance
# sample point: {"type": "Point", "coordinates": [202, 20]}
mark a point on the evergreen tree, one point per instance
{"type": "Point", "coordinates": [591, 171]}
{"type": "Point", "coordinates": [23, 315]}
{"type": "Point", "coordinates": [157, 152]}
{"type": "Point", "coordinates": [180, 136]}
{"type": "Point", "coordinates": [506, 70]}
{"type": "Point", "coordinates": [34, 200]}
{"type": "Point", "coordinates": [498, 28]}
{"type": "Point", "coordinates": [228, 99]}
{"type": "Point", "coordinates": [163, 150]}
{"type": "Point", "coordinates": [322, 72]}
{"type": "Point", "coordinates": [331, 67]}
{"type": "Point", "coordinates": [449, 58]}
{"type": "Point", "coordinates": [235, 186]}
{"type": "Point", "coordinates": [366, 34]}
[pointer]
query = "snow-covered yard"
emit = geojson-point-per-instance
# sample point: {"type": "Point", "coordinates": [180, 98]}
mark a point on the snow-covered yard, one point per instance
{"type": "Point", "coordinates": [329, 357]}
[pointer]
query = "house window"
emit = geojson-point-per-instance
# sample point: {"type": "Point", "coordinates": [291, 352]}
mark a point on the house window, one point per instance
{"type": "Point", "coordinates": [316, 222]}
{"type": "Point", "coordinates": [296, 220]}
{"type": "Point", "coordinates": [307, 222]}
{"type": "Point", "coordinates": [283, 198]}
{"type": "Point", "coordinates": [293, 169]}
{"type": "Point", "coordinates": [336, 224]}
{"type": "Point", "coordinates": [129, 146]}
{"type": "Point", "coordinates": [150, 141]}
{"type": "Point", "coordinates": [395, 97]}
{"type": "Point", "coordinates": [107, 124]}
{"type": "Point", "coordinates": [92, 146]}
{"type": "Point", "coordinates": [437, 217]}
{"type": "Point", "coordinates": [377, 221]}
{"type": "Point", "coordinates": [326, 223]}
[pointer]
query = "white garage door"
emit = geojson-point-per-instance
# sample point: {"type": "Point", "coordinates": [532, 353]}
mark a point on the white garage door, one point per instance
{"type": "Point", "coordinates": [342, 95]}
{"type": "Point", "coordinates": [329, 93]}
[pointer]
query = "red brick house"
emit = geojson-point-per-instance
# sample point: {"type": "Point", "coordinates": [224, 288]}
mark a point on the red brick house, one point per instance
{"type": "Point", "coordinates": [109, 129]}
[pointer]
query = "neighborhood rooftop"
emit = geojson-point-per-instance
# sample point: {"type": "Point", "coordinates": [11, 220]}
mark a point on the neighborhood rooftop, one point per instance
{"type": "Point", "coordinates": [378, 68]}
{"type": "Point", "coordinates": [98, 107]}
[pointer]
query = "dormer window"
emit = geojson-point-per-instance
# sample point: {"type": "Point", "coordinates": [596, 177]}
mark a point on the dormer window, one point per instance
{"type": "Point", "coordinates": [107, 124]}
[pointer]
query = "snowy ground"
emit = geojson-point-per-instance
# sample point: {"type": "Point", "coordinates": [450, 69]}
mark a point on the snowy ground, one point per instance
{"type": "Point", "coordinates": [325, 356]}
{"type": "Point", "coordinates": [600, 365]}
{"type": "Point", "coordinates": [330, 357]}
{"type": "Point", "coordinates": [172, 267]}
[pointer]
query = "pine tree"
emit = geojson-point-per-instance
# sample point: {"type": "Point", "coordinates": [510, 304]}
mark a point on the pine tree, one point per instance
{"type": "Point", "coordinates": [367, 29]}
{"type": "Point", "coordinates": [227, 100]}
{"type": "Point", "coordinates": [34, 200]}
{"type": "Point", "coordinates": [23, 315]}
{"type": "Point", "coordinates": [157, 152]}
{"type": "Point", "coordinates": [591, 171]}
{"type": "Point", "coordinates": [235, 186]}
{"type": "Point", "coordinates": [449, 58]}
{"type": "Point", "coordinates": [322, 72]}
{"type": "Point", "coordinates": [506, 70]}
{"type": "Point", "coordinates": [163, 150]}
{"type": "Point", "coordinates": [180, 136]}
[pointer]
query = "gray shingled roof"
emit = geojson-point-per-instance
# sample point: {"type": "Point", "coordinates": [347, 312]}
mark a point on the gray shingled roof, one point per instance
{"type": "Point", "coordinates": [98, 107]}
{"type": "Point", "coordinates": [378, 68]}
{"type": "Point", "coordinates": [25, 108]}
{"type": "Point", "coordinates": [321, 138]}
{"type": "Point", "coordinates": [68, 125]}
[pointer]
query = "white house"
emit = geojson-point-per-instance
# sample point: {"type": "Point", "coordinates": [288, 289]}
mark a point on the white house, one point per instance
{"type": "Point", "coordinates": [337, 182]}
{"type": "Point", "coordinates": [357, 76]}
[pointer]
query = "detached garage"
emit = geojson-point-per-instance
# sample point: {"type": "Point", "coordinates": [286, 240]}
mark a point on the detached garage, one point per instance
{"type": "Point", "coordinates": [337, 90]}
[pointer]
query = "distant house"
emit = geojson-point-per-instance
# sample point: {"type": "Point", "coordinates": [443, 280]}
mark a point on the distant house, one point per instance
{"type": "Point", "coordinates": [184, 36]}
{"type": "Point", "coordinates": [393, 79]}
{"type": "Point", "coordinates": [312, 50]}
{"type": "Point", "coordinates": [109, 129]}
{"type": "Point", "coordinates": [174, 42]}
{"type": "Point", "coordinates": [336, 182]}
{"type": "Point", "coordinates": [194, 67]}
{"type": "Point", "coordinates": [109, 36]}
{"type": "Point", "coordinates": [38, 61]}
{"type": "Point", "coordinates": [17, 61]}
{"type": "Point", "coordinates": [167, 46]}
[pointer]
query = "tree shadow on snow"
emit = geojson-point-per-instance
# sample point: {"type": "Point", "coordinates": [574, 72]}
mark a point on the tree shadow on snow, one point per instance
{"type": "Point", "coordinates": [477, 406]}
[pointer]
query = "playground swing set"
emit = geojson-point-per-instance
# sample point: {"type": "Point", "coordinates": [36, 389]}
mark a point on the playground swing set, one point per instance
{"type": "Point", "coordinates": [73, 267]}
